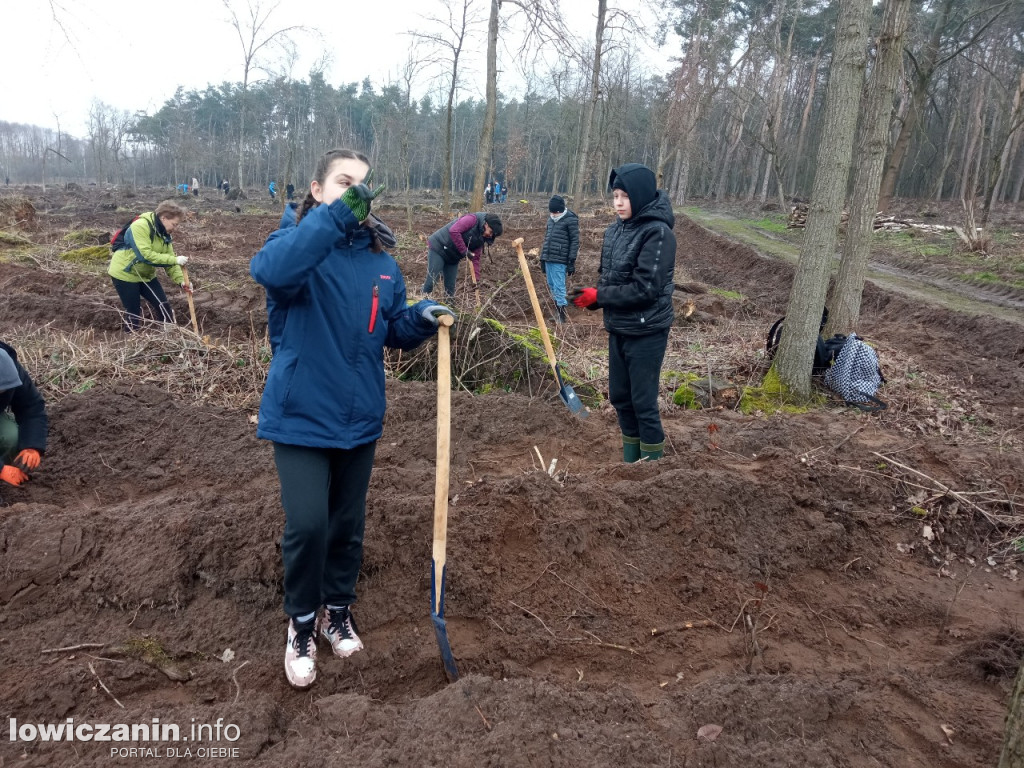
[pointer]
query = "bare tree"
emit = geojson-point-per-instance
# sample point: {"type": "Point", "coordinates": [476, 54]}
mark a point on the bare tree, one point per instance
{"type": "Point", "coordinates": [872, 142]}
{"type": "Point", "coordinates": [581, 178]}
{"type": "Point", "coordinates": [1013, 743]}
{"type": "Point", "coordinates": [483, 158]}
{"type": "Point", "coordinates": [810, 283]}
{"type": "Point", "coordinates": [254, 35]}
{"type": "Point", "coordinates": [450, 38]}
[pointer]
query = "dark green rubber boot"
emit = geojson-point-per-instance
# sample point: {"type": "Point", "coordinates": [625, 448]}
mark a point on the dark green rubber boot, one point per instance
{"type": "Point", "coordinates": [630, 449]}
{"type": "Point", "coordinates": [652, 451]}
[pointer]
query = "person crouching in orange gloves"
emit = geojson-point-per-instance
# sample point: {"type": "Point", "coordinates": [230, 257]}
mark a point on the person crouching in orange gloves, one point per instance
{"type": "Point", "coordinates": [23, 422]}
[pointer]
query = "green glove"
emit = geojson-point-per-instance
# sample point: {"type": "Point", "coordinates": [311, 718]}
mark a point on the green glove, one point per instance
{"type": "Point", "coordinates": [359, 197]}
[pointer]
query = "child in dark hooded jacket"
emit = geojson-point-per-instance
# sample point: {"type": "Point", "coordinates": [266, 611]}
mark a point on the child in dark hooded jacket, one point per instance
{"type": "Point", "coordinates": [634, 289]}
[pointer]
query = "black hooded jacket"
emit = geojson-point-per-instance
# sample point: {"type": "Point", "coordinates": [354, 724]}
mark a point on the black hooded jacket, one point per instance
{"type": "Point", "coordinates": [638, 260]}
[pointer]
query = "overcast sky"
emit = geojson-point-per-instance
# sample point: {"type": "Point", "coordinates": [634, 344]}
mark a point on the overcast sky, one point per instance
{"type": "Point", "coordinates": [133, 55]}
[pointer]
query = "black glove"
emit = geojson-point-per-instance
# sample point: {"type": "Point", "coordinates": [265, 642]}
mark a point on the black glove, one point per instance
{"type": "Point", "coordinates": [570, 270]}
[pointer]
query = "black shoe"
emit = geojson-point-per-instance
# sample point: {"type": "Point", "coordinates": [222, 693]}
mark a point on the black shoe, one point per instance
{"type": "Point", "coordinates": [562, 318]}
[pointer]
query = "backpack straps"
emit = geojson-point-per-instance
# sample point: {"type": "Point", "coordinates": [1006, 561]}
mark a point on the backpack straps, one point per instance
{"type": "Point", "coordinates": [871, 405]}
{"type": "Point", "coordinates": [129, 238]}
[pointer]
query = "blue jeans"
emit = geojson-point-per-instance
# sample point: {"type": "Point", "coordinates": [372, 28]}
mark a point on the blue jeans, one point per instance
{"type": "Point", "coordinates": [556, 282]}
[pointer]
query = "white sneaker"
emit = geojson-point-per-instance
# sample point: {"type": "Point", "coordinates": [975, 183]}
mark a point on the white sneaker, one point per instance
{"type": "Point", "coordinates": [300, 655]}
{"type": "Point", "coordinates": [339, 628]}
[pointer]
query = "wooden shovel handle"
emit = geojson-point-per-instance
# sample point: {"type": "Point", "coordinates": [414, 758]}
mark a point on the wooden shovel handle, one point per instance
{"type": "Point", "coordinates": [518, 243]}
{"type": "Point", "coordinates": [444, 406]}
{"type": "Point", "coordinates": [191, 303]}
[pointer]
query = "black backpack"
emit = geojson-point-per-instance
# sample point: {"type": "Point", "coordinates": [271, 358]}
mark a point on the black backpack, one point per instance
{"type": "Point", "coordinates": [824, 351]}
{"type": "Point", "coordinates": [117, 242]}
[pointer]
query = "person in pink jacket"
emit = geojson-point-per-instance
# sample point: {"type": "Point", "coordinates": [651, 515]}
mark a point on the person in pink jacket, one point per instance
{"type": "Point", "coordinates": [459, 239]}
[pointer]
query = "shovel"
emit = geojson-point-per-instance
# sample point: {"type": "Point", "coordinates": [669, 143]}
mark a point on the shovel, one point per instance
{"type": "Point", "coordinates": [565, 391]}
{"type": "Point", "coordinates": [476, 287]}
{"type": "Point", "coordinates": [191, 302]}
{"type": "Point", "coordinates": [437, 565]}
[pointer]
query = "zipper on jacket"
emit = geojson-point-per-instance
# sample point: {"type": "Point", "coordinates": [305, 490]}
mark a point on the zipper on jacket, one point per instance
{"type": "Point", "coordinates": [374, 306]}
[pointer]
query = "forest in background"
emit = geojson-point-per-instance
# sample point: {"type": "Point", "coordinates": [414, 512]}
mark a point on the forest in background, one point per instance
{"type": "Point", "coordinates": [739, 117]}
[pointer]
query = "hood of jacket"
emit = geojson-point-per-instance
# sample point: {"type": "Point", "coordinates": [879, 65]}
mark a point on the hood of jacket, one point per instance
{"type": "Point", "coordinates": [639, 183]}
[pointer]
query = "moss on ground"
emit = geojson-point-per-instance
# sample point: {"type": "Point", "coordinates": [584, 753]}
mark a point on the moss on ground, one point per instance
{"type": "Point", "coordinates": [772, 396]}
{"type": "Point", "coordinates": [93, 254]}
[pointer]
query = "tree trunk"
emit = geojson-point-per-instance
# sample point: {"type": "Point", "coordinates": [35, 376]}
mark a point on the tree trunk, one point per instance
{"type": "Point", "coordinates": [580, 182]}
{"type": "Point", "coordinates": [483, 158]}
{"type": "Point", "coordinates": [925, 69]}
{"type": "Point", "coordinates": [1013, 742]}
{"type": "Point", "coordinates": [810, 283]}
{"type": "Point", "coordinates": [872, 142]}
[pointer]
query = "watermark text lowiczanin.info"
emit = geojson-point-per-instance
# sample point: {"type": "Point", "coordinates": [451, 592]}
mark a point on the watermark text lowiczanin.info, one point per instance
{"type": "Point", "coordinates": [202, 739]}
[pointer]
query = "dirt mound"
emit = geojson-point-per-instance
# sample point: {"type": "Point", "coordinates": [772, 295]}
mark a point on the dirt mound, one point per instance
{"type": "Point", "coordinates": [801, 581]}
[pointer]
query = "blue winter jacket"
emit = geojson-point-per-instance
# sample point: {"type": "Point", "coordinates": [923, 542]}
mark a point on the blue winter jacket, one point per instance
{"type": "Point", "coordinates": [333, 305]}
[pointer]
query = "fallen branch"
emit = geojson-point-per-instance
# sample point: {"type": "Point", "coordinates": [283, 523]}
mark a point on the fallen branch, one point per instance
{"type": "Point", "coordinates": [234, 679]}
{"type": "Point", "coordinates": [78, 647]}
{"type": "Point", "coordinates": [683, 625]}
{"type": "Point", "coordinates": [104, 687]}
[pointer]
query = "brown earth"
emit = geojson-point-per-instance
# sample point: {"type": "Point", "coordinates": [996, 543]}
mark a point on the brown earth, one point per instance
{"type": "Point", "coordinates": [770, 576]}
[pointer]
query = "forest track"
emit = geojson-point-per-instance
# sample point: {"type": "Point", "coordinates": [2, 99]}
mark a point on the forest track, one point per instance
{"type": "Point", "coordinates": [1004, 302]}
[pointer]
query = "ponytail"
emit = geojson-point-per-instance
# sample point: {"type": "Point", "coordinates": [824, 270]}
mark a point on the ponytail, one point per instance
{"type": "Point", "coordinates": [307, 205]}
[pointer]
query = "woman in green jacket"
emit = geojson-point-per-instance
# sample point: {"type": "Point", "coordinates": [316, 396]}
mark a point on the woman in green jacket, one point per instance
{"type": "Point", "coordinates": [146, 246]}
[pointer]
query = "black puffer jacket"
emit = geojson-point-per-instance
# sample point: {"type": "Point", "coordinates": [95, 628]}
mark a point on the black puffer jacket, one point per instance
{"type": "Point", "coordinates": [638, 260]}
{"type": "Point", "coordinates": [28, 408]}
{"type": "Point", "coordinates": [562, 240]}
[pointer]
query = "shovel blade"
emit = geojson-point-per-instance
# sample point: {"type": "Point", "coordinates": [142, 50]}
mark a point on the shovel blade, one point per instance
{"type": "Point", "coordinates": [437, 617]}
{"type": "Point", "coordinates": [569, 397]}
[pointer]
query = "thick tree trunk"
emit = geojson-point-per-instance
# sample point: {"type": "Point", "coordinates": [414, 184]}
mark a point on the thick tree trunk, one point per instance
{"type": "Point", "coordinates": [810, 283]}
{"type": "Point", "coordinates": [1013, 742]}
{"type": "Point", "coordinates": [483, 159]}
{"type": "Point", "coordinates": [872, 142]}
{"type": "Point", "coordinates": [582, 177]}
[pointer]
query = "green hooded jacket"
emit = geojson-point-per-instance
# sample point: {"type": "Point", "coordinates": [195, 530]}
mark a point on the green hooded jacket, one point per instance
{"type": "Point", "coordinates": [154, 250]}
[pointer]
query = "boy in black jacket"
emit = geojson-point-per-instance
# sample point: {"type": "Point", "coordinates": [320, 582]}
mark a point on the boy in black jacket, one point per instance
{"type": "Point", "coordinates": [558, 254]}
{"type": "Point", "coordinates": [634, 289]}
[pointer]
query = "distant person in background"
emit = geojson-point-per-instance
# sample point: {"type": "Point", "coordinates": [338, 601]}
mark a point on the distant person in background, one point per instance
{"type": "Point", "coordinates": [195, 186]}
{"type": "Point", "coordinates": [272, 188]}
{"type": "Point", "coordinates": [23, 422]}
{"type": "Point", "coordinates": [183, 189]}
{"type": "Point", "coordinates": [226, 187]}
{"type": "Point", "coordinates": [146, 246]}
{"type": "Point", "coordinates": [504, 193]}
{"type": "Point", "coordinates": [558, 254]}
{"type": "Point", "coordinates": [634, 288]}
{"type": "Point", "coordinates": [290, 191]}
{"type": "Point", "coordinates": [488, 193]}
{"type": "Point", "coordinates": [457, 240]}
{"type": "Point", "coordinates": [497, 191]}
{"type": "Point", "coordinates": [7, 181]}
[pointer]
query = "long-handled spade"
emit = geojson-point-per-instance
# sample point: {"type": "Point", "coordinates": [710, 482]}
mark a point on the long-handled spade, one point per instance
{"type": "Point", "coordinates": [191, 301]}
{"type": "Point", "coordinates": [437, 566]}
{"type": "Point", "coordinates": [565, 391]}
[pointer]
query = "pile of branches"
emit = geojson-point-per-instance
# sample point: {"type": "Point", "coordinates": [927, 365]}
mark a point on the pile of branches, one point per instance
{"type": "Point", "coordinates": [798, 220]}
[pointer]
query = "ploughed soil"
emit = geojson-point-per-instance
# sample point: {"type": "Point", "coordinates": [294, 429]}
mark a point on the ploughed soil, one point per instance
{"type": "Point", "coordinates": [827, 588]}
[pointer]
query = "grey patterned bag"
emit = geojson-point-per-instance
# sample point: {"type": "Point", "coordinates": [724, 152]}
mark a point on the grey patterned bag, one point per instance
{"type": "Point", "coordinates": [855, 375]}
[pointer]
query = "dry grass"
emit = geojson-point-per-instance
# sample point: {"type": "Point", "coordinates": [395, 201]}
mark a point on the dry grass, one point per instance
{"type": "Point", "coordinates": [170, 357]}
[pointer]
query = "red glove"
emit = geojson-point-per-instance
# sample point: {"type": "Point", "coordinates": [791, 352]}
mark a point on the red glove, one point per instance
{"type": "Point", "coordinates": [11, 474]}
{"type": "Point", "coordinates": [27, 459]}
{"type": "Point", "coordinates": [584, 297]}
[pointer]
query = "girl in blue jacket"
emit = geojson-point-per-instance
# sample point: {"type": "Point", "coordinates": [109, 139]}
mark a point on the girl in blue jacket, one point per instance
{"type": "Point", "coordinates": [335, 300]}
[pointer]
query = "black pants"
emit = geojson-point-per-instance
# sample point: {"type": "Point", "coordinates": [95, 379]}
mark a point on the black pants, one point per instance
{"type": "Point", "coordinates": [323, 492]}
{"type": "Point", "coordinates": [634, 378]}
{"type": "Point", "coordinates": [131, 295]}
